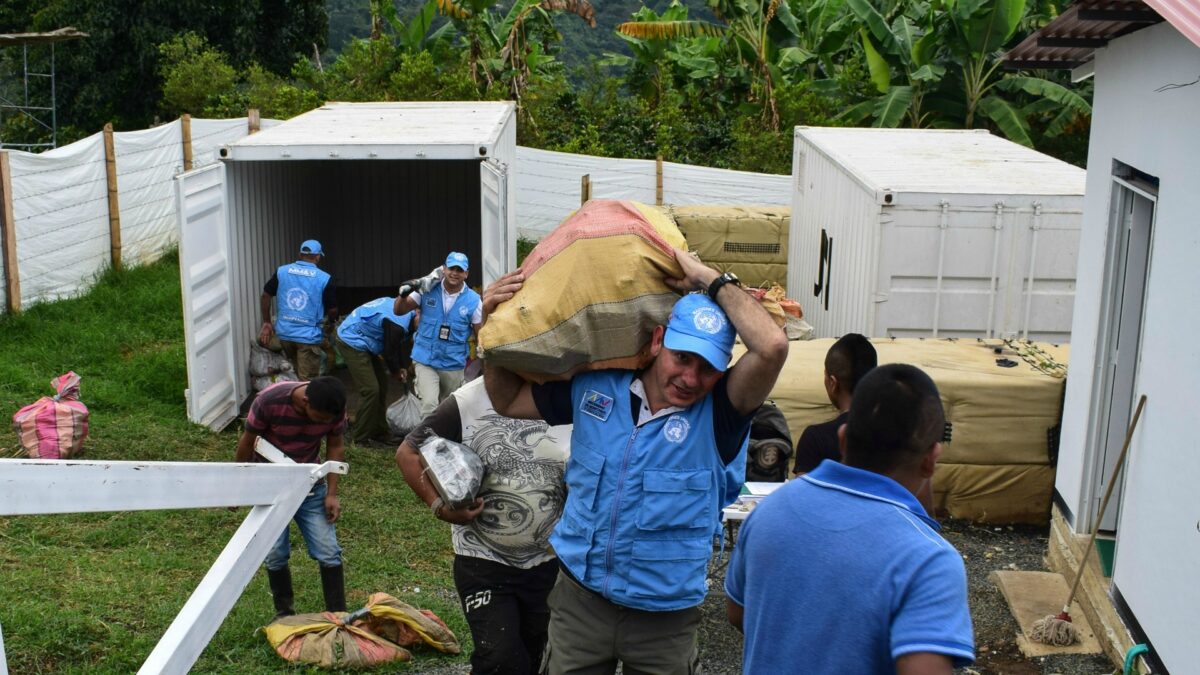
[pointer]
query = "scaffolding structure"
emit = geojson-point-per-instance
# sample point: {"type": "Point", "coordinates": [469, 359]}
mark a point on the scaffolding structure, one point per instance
{"type": "Point", "coordinates": [34, 106]}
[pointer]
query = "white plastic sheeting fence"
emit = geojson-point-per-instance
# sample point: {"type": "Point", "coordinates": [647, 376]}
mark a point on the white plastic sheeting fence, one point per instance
{"type": "Point", "coordinates": [60, 197]}
{"type": "Point", "coordinates": [548, 185]}
{"type": "Point", "coordinates": [60, 203]}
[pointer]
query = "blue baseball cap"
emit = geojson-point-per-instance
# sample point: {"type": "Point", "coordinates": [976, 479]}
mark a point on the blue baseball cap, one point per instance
{"type": "Point", "coordinates": [699, 325]}
{"type": "Point", "coordinates": [311, 247]}
{"type": "Point", "coordinates": [456, 259]}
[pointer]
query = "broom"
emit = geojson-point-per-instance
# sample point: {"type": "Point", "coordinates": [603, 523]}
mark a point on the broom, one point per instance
{"type": "Point", "coordinates": [1057, 629]}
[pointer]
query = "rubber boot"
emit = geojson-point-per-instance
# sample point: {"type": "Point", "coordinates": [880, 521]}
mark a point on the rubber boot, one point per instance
{"type": "Point", "coordinates": [333, 585]}
{"type": "Point", "coordinates": [281, 591]}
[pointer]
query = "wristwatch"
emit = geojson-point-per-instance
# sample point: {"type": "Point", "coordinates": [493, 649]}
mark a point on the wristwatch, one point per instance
{"type": "Point", "coordinates": [725, 278]}
{"type": "Point", "coordinates": [436, 507]}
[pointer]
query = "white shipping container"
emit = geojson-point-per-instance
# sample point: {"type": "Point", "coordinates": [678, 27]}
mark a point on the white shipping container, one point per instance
{"type": "Point", "coordinates": [387, 188]}
{"type": "Point", "coordinates": [918, 232]}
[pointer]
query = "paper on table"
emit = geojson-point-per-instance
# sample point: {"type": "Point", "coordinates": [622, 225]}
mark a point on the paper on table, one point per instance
{"type": "Point", "coordinates": [762, 489]}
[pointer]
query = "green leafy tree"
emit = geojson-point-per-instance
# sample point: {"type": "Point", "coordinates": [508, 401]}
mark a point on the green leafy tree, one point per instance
{"type": "Point", "coordinates": [114, 74]}
{"type": "Point", "coordinates": [194, 75]}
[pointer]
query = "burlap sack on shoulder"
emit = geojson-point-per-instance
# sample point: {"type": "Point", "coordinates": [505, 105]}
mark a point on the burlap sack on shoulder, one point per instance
{"type": "Point", "coordinates": [593, 293]}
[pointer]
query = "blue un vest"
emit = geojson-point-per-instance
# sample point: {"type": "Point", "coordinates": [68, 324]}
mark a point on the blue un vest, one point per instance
{"type": "Point", "coordinates": [363, 329]}
{"type": "Point", "coordinates": [298, 306]}
{"type": "Point", "coordinates": [430, 349]}
{"type": "Point", "coordinates": [641, 502]}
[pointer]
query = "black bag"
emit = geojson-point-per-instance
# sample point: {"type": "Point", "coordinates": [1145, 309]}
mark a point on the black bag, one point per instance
{"type": "Point", "coordinates": [770, 451]}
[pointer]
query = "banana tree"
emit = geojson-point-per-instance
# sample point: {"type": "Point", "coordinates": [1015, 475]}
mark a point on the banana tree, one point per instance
{"type": "Point", "coordinates": [519, 56]}
{"type": "Point", "coordinates": [660, 43]}
{"type": "Point", "coordinates": [900, 52]}
{"type": "Point", "coordinates": [943, 68]}
{"type": "Point", "coordinates": [752, 32]}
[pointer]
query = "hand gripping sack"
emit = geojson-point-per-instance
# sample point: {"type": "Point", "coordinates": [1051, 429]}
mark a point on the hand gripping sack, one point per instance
{"type": "Point", "coordinates": [593, 293]}
{"type": "Point", "coordinates": [55, 426]}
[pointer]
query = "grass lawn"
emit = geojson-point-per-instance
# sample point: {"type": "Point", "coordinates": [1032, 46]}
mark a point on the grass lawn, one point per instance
{"type": "Point", "coordinates": [93, 593]}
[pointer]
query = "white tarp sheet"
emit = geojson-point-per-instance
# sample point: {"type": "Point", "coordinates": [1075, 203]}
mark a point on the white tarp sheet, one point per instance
{"type": "Point", "coordinates": [209, 135]}
{"type": "Point", "coordinates": [548, 185]}
{"type": "Point", "coordinates": [60, 209]}
{"type": "Point", "coordinates": [146, 163]}
{"type": "Point", "coordinates": [60, 197]}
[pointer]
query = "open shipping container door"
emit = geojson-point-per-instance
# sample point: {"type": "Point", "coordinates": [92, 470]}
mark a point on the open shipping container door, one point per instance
{"type": "Point", "coordinates": [493, 197]}
{"type": "Point", "coordinates": [207, 289]}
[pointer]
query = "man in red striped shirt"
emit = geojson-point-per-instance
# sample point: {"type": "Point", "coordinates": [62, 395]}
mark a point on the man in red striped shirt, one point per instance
{"type": "Point", "coordinates": [294, 417]}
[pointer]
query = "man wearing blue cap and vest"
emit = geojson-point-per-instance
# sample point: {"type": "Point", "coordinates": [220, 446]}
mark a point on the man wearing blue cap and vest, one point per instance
{"type": "Point", "coordinates": [370, 342]}
{"type": "Point", "coordinates": [305, 296]}
{"type": "Point", "coordinates": [450, 314]}
{"type": "Point", "coordinates": [646, 476]}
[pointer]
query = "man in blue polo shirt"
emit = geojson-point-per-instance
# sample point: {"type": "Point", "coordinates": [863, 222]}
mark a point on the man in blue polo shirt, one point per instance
{"type": "Point", "coordinates": [651, 453]}
{"type": "Point", "coordinates": [450, 314]}
{"type": "Point", "coordinates": [306, 297]}
{"type": "Point", "coordinates": [871, 585]}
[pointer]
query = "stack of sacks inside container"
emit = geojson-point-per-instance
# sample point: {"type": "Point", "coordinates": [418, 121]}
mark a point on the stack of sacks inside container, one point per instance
{"type": "Point", "coordinates": [593, 293]}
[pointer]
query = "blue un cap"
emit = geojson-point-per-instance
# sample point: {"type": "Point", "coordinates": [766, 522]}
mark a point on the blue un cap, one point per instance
{"type": "Point", "coordinates": [456, 259]}
{"type": "Point", "coordinates": [699, 325]}
{"type": "Point", "coordinates": [311, 247]}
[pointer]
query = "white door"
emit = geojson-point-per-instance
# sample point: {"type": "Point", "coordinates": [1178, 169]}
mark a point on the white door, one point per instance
{"type": "Point", "coordinates": [207, 312]}
{"type": "Point", "coordinates": [493, 197]}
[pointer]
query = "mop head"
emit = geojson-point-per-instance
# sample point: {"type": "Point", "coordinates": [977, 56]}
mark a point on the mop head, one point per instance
{"type": "Point", "coordinates": [1055, 630]}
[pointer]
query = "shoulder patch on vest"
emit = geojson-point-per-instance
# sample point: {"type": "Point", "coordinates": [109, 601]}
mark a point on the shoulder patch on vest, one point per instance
{"type": "Point", "coordinates": [596, 404]}
{"type": "Point", "coordinates": [676, 429]}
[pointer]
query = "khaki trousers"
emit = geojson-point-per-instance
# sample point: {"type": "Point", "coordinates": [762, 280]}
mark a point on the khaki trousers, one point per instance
{"type": "Point", "coordinates": [589, 635]}
{"type": "Point", "coordinates": [433, 386]}
{"type": "Point", "coordinates": [306, 358]}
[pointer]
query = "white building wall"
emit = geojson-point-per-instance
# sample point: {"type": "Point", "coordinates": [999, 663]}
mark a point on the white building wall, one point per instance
{"type": "Point", "coordinates": [1144, 122]}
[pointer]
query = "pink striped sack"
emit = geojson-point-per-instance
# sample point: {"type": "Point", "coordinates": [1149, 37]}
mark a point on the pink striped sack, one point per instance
{"type": "Point", "coordinates": [55, 426]}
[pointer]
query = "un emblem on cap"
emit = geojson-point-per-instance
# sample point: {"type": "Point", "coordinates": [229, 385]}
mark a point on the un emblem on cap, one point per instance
{"type": "Point", "coordinates": [708, 320]}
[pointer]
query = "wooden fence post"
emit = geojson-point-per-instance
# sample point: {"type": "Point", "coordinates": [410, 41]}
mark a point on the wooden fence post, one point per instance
{"type": "Point", "coordinates": [8, 238]}
{"type": "Point", "coordinates": [114, 206]}
{"type": "Point", "coordinates": [253, 121]}
{"type": "Point", "coordinates": [185, 130]}
{"type": "Point", "coordinates": [658, 180]}
{"type": "Point", "coordinates": [585, 188]}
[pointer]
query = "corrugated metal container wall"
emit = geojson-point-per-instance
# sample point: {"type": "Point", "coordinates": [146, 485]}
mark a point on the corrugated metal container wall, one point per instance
{"type": "Point", "coordinates": [911, 233]}
{"type": "Point", "coordinates": [830, 206]}
{"type": "Point", "coordinates": [380, 222]}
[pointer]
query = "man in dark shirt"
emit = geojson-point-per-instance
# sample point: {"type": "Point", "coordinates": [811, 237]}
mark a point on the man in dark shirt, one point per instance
{"type": "Point", "coordinates": [294, 417]}
{"type": "Point", "coordinates": [851, 357]}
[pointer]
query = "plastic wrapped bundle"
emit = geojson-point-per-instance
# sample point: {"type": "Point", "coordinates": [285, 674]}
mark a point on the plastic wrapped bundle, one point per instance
{"type": "Point", "coordinates": [593, 293]}
{"type": "Point", "coordinates": [455, 471]}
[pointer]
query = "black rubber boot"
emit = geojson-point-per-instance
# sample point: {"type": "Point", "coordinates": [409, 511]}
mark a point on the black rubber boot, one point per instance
{"type": "Point", "coordinates": [281, 591]}
{"type": "Point", "coordinates": [333, 585]}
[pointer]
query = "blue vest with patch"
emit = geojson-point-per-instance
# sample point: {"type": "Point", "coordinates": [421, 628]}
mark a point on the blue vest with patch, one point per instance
{"type": "Point", "coordinates": [641, 501]}
{"type": "Point", "coordinates": [363, 329]}
{"type": "Point", "coordinates": [428, 346]}
{"type": "Point", "coordinates": [298, 305]}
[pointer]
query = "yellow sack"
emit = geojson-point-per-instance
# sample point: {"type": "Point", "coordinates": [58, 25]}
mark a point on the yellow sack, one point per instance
{"type": "Point", "coordinates": [406, 625]}
{"type": "Point", "coordinates": [325, 640]}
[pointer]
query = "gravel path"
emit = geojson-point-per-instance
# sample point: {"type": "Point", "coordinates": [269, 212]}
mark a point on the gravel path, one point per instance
{"type": "Point", "coordinates": [985, 549]}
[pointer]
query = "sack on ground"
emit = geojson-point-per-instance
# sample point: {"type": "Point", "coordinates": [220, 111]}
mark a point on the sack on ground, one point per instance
{"type": "Point", "coordinates": [454, 469]}
{"type": "Point", "coordinates": [329, 641]}
{"type": "Point", "coordinates": [593, 293]}
{"type": "Point", "coordinates": [404, 414]}
{"type": "Point", "coordinates": [264, 362]}
{"type": "Point", "coordinates": [54, 427]}
{"type": "Point", "coordinates": [406, 625]}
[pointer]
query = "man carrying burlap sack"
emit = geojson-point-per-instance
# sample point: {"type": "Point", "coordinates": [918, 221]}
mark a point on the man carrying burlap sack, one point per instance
{"type": "Point", "coordinates": [646, 478]}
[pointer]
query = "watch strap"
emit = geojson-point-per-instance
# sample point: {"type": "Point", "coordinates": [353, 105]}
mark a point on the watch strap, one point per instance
{"type": "Point", "coordinates": [436, 507]}
{"type": "Point", "coordinates": [715, 286]}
